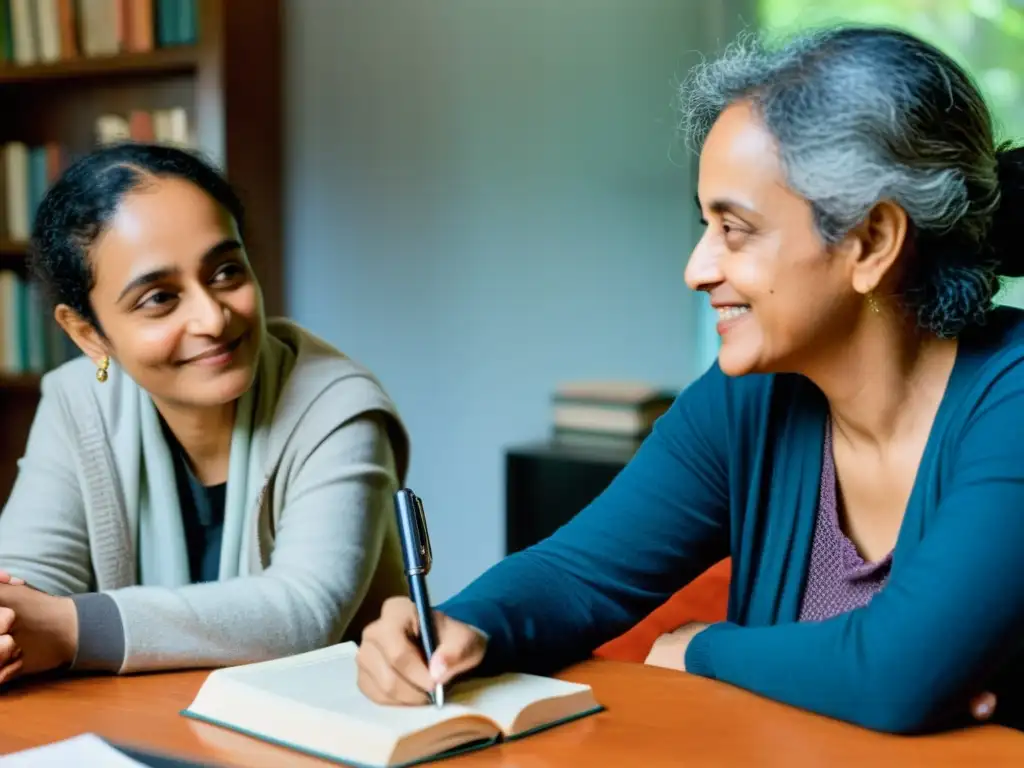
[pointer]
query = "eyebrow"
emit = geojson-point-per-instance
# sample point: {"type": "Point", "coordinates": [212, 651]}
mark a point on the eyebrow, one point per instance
{"type": "Point", "coordinates": [725, 205]}
{"type": "Point", "coordinates": [156, 275]}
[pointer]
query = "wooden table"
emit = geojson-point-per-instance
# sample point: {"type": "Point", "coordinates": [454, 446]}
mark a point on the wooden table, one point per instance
{"type": "Point", "coordinates": [654, 717]}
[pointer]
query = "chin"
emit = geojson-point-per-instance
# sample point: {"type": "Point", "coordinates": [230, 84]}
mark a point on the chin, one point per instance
{"type": "Point", "coordinates": [738, 362]}
{"type": "Point", "coordinates": [229, 386]}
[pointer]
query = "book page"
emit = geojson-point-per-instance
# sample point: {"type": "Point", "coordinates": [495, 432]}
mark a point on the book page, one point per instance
{"type": "Point", "coordinates": [85, 750]}
{"type": "Point", "coordinates": [327, 680]}
{"type": "Point", "coordinates": [505, 698]}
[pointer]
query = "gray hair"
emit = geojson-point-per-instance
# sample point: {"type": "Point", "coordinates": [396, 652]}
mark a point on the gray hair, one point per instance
{"type": "Point", "coordinates": [864, 114]}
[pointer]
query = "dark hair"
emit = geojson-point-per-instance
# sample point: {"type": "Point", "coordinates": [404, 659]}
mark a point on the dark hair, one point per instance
{"type": "Point", "coordinates": [79, 206]}
{"type": "Point", "coordinates": [863, 114]}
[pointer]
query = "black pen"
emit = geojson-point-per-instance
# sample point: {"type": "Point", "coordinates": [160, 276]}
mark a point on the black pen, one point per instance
{"type": "Point", "coordinates": [412, 528]}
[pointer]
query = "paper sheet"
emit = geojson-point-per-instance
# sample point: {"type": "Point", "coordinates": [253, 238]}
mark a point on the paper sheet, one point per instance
{"type": "Point", "coordinates": [85, 750]}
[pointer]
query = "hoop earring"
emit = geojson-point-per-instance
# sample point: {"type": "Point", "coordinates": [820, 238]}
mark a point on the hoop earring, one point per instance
{"type": "Point", "coordinates": [101, 370]}
{"type": "Point", "coordinates": [873, 304]}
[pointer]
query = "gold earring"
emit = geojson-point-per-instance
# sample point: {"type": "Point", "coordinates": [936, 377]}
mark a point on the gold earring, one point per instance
{"type": "Point", "coordinates": [101, 370]}
{"type": "Point", "coordinates": [873, 302]}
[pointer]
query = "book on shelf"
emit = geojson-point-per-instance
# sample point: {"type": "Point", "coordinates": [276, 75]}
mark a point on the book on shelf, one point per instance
{"type": "Point", "coordinates": [310, 702]}
{"type": "Point", "coordinates": [31, 342]}
{"type": "Point", "coordinates": [163, 126]}
{"type": "Point", "coordinates": [26, 172]}
{"type": "Point", "coordinates": [49, 31]}
{"type": "Point", "coordinates": [618, 413]}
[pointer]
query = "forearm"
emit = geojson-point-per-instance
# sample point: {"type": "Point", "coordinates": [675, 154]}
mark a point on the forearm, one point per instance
{"type": "Point", "coordinates": [824, 668]}
{"type": "Point", "coordinates": [937, 634]}
{"type": "Point", "coordinates": [660, 523]}
{"type": "Point", "coordinates": [225, 623]}
{"type": "Point", "coordinates": [537, 617]}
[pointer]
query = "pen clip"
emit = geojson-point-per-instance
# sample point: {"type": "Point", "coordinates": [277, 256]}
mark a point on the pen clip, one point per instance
{"type": "Point", "coordinates": [412, 523]}
{"type": "Point", "coordinates": [423, 538]}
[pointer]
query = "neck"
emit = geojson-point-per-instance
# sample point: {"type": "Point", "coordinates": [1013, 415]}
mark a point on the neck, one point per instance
{"type": "Point", "coordinates": [883, 378]}
{"type": "Point", "coordinates": [205, 436]}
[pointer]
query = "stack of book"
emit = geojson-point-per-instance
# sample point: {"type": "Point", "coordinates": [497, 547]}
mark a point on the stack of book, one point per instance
{"type": "Point", "coordinates": [613, 414]}
{"type": "Point", "coordinates": [49, 31]}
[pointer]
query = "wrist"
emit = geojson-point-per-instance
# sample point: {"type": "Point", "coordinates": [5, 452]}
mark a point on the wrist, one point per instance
{"type": "Point", "coordinates": [66, 630]}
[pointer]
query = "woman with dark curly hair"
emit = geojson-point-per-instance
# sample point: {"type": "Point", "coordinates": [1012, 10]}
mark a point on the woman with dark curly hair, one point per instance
{"type": "Point", "coordinates": [205, 486]}
{"type": "Point", "coordinates": [854, 448]}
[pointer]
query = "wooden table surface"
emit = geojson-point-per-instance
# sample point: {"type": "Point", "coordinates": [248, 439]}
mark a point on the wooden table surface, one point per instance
{"type": "Point", "coordinates": [654, 717]}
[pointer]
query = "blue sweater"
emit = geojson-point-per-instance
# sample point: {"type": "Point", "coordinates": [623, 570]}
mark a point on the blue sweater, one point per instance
{"type": "Point", "coordinates": [733, 469]}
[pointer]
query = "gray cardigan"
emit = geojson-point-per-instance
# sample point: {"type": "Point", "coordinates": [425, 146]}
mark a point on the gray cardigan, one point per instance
{"type": "Point", "coordinates": [325, 550]}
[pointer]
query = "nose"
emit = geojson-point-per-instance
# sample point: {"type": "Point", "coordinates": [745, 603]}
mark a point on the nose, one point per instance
{"type": "Point", "coordinates": [208, 317]}
{"type": "Point", "coordinates": [703, 271]}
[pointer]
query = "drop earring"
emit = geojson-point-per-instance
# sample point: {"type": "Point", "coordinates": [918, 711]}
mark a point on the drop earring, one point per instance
{"type": "Point", "coordinates": [101, 369]}
{"type": "Point", "coordinates": [873, 302]}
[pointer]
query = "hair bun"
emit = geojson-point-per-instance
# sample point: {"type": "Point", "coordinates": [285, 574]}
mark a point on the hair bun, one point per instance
{"type": "Point", "coordinates": [1006, 237]}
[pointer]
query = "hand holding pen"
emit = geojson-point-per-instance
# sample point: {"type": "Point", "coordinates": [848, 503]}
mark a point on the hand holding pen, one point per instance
{"type": "Point", "coordinates": [418, 557]}
{"type": "Point", "coordinates": [392, 659]}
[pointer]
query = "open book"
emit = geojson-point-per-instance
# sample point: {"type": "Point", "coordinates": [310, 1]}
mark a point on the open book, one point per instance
{"type": "Point", "coordinates": [310, 702]}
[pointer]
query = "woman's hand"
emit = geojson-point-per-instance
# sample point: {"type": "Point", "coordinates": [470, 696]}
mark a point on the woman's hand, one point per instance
{"type": "Point", "coordinates": [41, 634]}
{"type": "Point", "coordinates": [390, 658]}
{"type": "Point", "coordinates": [669, 650]}
{"type": "Point", "coordinates": [10, 653]}
{"type": "Point", "coordinates": [6, 578]}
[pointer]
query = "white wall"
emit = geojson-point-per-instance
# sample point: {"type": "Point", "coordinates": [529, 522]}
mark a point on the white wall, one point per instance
{"type": "Point", "coordinates": [486, 198]}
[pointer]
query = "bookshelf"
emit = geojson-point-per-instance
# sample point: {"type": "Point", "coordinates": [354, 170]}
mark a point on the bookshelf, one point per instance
{"type": "Point", "coordinates": [224, 77]}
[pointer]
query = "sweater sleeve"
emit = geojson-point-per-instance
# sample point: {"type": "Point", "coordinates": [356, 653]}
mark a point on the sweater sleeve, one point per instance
{"type": "Point", "coordinates": [44, 538]}
{"type": "Point", "coordinates": [328, 544]}
{"type": "Point", "coordinates": [950, 616]}
{"type": "Point", "coordinates": [660, 523]}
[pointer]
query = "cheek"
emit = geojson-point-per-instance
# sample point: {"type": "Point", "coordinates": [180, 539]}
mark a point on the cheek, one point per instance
{"type": "Point", "coordinates": [245, 301]}
{"type": "Point", "coordinates": [149, 343]}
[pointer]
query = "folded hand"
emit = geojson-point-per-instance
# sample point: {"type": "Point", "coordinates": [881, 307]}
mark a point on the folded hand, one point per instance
{"type": "Point", "coordinates": [669, 650]}
{"type": "Point", "coordinates": [38, 631]}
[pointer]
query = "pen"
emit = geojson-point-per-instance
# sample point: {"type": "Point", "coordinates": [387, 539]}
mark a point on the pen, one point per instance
{"type": "Point", "coordinates": [412, 529]}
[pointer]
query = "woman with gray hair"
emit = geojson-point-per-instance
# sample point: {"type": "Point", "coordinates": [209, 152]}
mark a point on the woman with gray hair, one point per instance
{"type": "Point", "coordinates": [853, 449]}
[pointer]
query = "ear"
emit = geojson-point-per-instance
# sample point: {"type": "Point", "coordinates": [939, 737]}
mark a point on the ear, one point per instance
{"type": "Point", "coordinates": [82, 332]}
{"type": "Point", "coordinates": [874, 245]}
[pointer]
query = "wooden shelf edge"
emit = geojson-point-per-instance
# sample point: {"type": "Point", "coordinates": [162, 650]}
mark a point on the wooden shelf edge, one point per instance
{"type": "Point", "coordinates": [13, 256]}
{"type": "Point", "coordinates": [166, 60]}
{"type": "Point", "coordinates": [27, 383]}
{"type": "Point", "coordinates": [11, 248]}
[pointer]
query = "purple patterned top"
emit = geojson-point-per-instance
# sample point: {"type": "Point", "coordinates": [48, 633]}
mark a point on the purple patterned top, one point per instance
{"type": "Point", "coordinates": [838, 579]}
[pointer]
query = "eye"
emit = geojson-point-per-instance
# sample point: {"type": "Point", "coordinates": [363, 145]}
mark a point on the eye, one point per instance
{"type": "Point", "coordinates": [157, 300]}
{"type": "Point", "coordinates": [229, 273]}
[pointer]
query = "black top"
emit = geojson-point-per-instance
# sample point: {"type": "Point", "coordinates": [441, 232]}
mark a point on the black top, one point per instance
{"type": "Point", "coordinates": [202, 514]}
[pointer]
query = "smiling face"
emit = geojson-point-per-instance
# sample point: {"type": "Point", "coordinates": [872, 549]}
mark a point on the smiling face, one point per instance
{"type": "Point", "coordinates": [175, 297]}
{"type": "Point", "coordinates": [781, 294]}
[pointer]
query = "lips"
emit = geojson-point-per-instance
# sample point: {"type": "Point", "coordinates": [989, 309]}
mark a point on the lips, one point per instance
{"type": "Point", "coordinates": [220, 349]}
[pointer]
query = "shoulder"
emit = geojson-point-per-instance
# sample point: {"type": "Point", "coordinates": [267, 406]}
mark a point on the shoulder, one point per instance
{"type": "Point", "coordinates": [71, 389]}
{"type": "Point", "coordinates": [989, 373]}
{"type": "Point", "coordinates": [321, 389]}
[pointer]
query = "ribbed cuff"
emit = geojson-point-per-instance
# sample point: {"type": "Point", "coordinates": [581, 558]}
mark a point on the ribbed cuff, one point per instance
{"type": "Point", "coordinates": [698, 658]}
{"type": "Point", "coordinates": [100, 634]}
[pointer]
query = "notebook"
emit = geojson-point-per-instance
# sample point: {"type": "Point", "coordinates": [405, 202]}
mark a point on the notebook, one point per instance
{"type": "Point", "coordinates": [310, 702]}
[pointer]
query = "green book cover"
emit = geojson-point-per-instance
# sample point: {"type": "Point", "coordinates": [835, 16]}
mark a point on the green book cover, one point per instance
{"type": "Point", "coordinates": [6, 33]}
{"type": "Point", "coordinates": [167, 15]}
